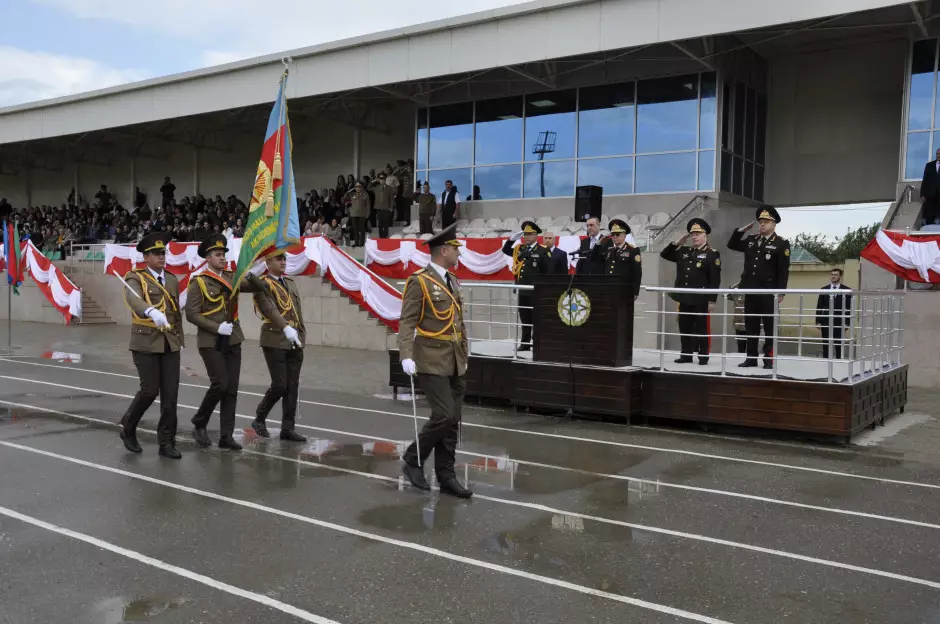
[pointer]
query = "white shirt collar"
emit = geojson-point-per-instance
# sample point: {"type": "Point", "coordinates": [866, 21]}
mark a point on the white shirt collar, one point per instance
{"type": "Point", "coordinates": [441, 271]}
{"type": "Point", "coordinates": [155, 274]}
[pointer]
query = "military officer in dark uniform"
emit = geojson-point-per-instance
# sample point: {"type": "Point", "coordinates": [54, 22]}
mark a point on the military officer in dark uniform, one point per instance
{"type": "Point", "coordinates": [432, 343]}
{"type": "Point", "coordinates": [698, 266]}
{"type": "Point", "coordinates": [156, 340]}
{"type": "Point", "coordinates": [766, 266]}
{"type": "Point", "coordinates": [529, 259]}
{"type": "Point", "coordinates": [212, 309]}
{"type": "Point", "coordinates": [620, 257]}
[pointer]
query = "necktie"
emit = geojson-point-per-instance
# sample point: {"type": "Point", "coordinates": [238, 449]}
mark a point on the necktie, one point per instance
{"type": "Point", "coordinates": [280, 281]}
{"type": "Point", "coordinates": [160, 279]}
{"type": "Point", "coordinates": [593, 240]}
{"type": "Point", "coordinates": [447, 279]}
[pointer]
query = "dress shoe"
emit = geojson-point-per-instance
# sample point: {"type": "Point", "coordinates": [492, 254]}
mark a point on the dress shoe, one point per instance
{"type": "Point", "coordinates": [768, 365]}
{"type": "Point", "coordinates": [703, 361]}
{"type": "Point", "coordinates": [292, 436]}
{"type": "Point", "coordinates": [748, 364]}
{"type": "Point", "coordinates": [260, 428]}
{"type": "Point", "coordinates": [168, 450]}
{"type": "Point", "coordinates": [683, 359]}
{"type": "Point", "coordinates": [201, 436]}
{"type": "Point", "coordinates": [452, 486]}
{"type": "Point", "coordinates": [229, 443]}
{"type": "Point", "coordinates": [131, 443]}
{"type": "Point", "coordinates": [524, 347]}
{"type": "Point", "coordinates": [416, 476]}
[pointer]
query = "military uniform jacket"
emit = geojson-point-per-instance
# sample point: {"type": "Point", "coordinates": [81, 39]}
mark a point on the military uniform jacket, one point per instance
{"type": "Point", "coordinates": [624, 260]}
{"type": "Point", "coordinates": [695, 268]}
{"type": "Point", "coordinates": [528, 260]}
{"type": "Point", "coordinates": [145, 336]}
{"type": "Point", "coordinates": [384, 197]}
{"type": "Point", "coordinates": [427, 204]}
{"type": "Point", "coordinates": [766, 262]}
{"type": "Point", "coordinates": [209, 303]}
{"type": "Point", "coordinates": [360, 205]}
{"type": "Point", "coordinates": [431, 330]}
{"type": "Point", "coordinates": [279, 306]}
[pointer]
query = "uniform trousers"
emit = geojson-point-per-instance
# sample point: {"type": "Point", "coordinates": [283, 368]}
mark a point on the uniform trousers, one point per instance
{"type": "Point", "coordinates": [284, 366]}
{"type": "Point", "coordinates": [693, 327]}
{"type": "Point", "coordinates": [759, 310]}
{"type": "Point", "coordinates": [224, 369]}
{"type": "Point", "coordinates": [447, 218]}
{"type": "Point", "coordinates": [426, 221]}
{"type": "Point", "coordinates": [526, 301]}
{"type": "Point", "coordinates": [358, 230]}
{"type": "Point", "coordinates": [439, 434]}
{"type": "Point", "coordinates": [385, 221]}
{"type": "Point", "coordinates": [159, 374]}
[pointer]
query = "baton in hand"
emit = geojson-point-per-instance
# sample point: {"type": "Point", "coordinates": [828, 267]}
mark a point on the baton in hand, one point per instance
{"type": "Point", "coordinates": [128, 287]}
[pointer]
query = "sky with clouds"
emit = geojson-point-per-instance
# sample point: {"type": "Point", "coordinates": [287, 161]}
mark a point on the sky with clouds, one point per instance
{"type": "Point", "coordinates": [52, 48]}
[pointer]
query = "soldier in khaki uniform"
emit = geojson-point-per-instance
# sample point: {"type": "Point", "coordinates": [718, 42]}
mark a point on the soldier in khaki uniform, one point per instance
{"type": "Point", "coordinates": [359, 207]}
{"type": "Point", "coordinates": [384, 204]}
{"type": "Point", "coordinates": [432, 344]}
{"type": "Point", "coordinates": [156, 340]}
{"type": "Point", "coordinates": [282, 341]}
{"type": "Point", "coordinates": [211, 308]}
{"type": "Point", "coordinates": [427, 208]}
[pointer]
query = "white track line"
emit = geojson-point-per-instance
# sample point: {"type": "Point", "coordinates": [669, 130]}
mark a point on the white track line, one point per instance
{"type": "Point", "coordinates": [306, 616]}
{"type": "Point", "coordinates": [551, 510]}
{"type": "Point", "coordinates": [523, 462]}
{"type": "Point", "coordinates": [558, 436]}
{"type": "Point", "coordinates": [434, 552]}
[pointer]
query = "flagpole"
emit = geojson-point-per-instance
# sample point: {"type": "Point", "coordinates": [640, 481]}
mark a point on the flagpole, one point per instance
{"type": "Point", "coordinates": [10, 319]}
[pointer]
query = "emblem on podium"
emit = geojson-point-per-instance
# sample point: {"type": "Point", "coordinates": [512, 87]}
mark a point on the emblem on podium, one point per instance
{"type": "Point", "coordinates": [574, 307]}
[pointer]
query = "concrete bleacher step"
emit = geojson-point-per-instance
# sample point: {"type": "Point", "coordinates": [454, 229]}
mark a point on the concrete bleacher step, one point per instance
{"type": "Point", "coordinates": [93, 313]}
{"type": "Point", "coordinates": [337, 321]}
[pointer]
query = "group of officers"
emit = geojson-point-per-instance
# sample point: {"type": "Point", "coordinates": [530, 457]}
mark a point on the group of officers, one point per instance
{"type": "Point", "coordinates": [212, 306]}
{"type": "Point", "coordinates": [766, 266]}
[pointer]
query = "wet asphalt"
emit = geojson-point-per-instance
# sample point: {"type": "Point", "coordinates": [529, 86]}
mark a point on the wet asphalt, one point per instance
{"type": "Point", "coordinates": [573, 521]}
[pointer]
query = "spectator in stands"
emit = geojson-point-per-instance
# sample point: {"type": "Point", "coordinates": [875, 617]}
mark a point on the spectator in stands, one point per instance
{"type": "Point", "coordinates": [359, 207]}
{"type": "Point", "coordinates": [450, 204]}
{"type": "Point", "coordinates": [103, 196]}
{"type": "Point", "coordinates": [558, 259]}
{"type": "Point", "coordinates": [167, 191]}
{"type": "Point", "coordinates": [308, 228]}
{"type": "Point", "coordinates": [239, 230]}
{"type": "Point", "coordinates": [427, 208]}
{"type": "Point", "coordinates": [334, 231]}
{"type": "Point", "coordinates": [475, 196]}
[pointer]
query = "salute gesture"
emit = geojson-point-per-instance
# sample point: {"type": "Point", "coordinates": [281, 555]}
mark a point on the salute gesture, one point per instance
{"type": "Point", "coordinates": [747, 227]}
{"type": "Point", "coordinates": [682, 240]}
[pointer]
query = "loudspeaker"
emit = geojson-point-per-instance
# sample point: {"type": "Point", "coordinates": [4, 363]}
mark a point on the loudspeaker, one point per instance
{"type": "Point", "coordinates": [587, 202]}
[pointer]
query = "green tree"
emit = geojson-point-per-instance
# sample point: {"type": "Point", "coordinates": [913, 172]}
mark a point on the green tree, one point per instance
{"type": "Point", "coordinates": [837, 250]}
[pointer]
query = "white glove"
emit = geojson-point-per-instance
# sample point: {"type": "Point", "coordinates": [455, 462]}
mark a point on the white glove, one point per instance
{"type": "Point", "coordinates": [159, 318]}
{"type": "Point", "coordinates": [408, 365]}
{"type": "Point", "coordinates": [516, 236]}
{"type": "Point", "coordinates": [291, 334]}
{"type": "Point", "coordinates": [225, 329]}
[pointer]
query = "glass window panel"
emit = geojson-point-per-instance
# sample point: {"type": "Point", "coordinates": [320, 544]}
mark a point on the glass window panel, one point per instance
{"type": "Point", "coordinates": [708, 121]}
{"type": "Point", "coordinates": [665, 173]}
{"type": "Point", "coordinates": [614, 175]}
{"type": "Point", "coordinates": [605, 123]}
{"type": "Point", "coordinates": [557, 181]}
{"type": "Point", "coordinates": [667, 114]}
{"type": "Point", "coordinates": [918, 155]}
{"type": "Point", "coordinates": [460, 178]}
{"type": "Point", "coordinates": [737, 181]}
{"type": "Point", "coordinates": [451, 135]}
{"type": "Point", "coordinates": [751, 120]}
{"type": "Point", "coordinates": [727, 164]}
{"type": "Point", "coordinates": [420, 177]}
{"type": "Point", "coordinates": [549, 125]}
{"type": "Point", "coordinates": [748, 190]}
{"type": "Point", "coordinates": [740, 98]}
{"type": "Point", "coordinates": [499, 131]}
{"type": "Point", "coordinates": [727, 105]}
{"type": "Point", "coordinates": [706, 170]}
{"type": "Point", "coordinates": [503, 182]}
{"type": "Point", "coordinates": [422, 140]}
{"type": "Point", "coordinates": [761, 129]}
{"type": "Point", "coordinates": [758, 183]}
{"type": "Point", "coordinates": [922, 85]}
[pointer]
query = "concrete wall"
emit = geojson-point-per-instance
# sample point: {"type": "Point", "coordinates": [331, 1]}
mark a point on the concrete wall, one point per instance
{"type": "Point", "coordinates": [834, 124]}
{"type": "Point", "coordinates": [30, 305]}
{"type": "Point", "coordinates": [921, 337]}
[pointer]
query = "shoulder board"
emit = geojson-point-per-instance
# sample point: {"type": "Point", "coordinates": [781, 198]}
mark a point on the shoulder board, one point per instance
{"type": "Point", "coordinates": [543, 246]}
{"type": "Point", "coordinates": [419, 272]}
{"type": "Point", "coordinates": [631, 245]}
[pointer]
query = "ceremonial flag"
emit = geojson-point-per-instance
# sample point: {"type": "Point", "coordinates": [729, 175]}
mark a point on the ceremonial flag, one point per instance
{"type": "Point", "coordinates": [911, 257]}
{"type": "Point", "coordinates": [272, 214]}
{"type": "Point", "coordinates": [11, 246]}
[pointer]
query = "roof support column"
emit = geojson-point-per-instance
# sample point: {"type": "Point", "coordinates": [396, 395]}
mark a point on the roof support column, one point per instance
{"type": "Point", "coordinates": [76, 180]}
{"type": "Point", "coordinates": [133, 201]}
{"type": "Point", "coordinates": [29, 187]}
{"type": "Point", "coordinates": [357, 148]}
{"type": "Point", "coordinates": [195, 171]}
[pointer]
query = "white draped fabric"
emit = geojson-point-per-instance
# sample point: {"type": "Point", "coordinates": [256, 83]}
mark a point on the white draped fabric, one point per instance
{"type": "Point", "coordinates": [922, 256]}
{"type": "Point", "coordinates": [57, 288]}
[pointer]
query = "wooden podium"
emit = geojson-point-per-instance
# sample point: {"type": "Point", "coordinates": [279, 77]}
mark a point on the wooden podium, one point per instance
{"type": "Point", "coordinates": [593, 324]}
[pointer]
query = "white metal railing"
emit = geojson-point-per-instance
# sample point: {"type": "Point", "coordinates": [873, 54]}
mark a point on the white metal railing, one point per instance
{"type": "Point", "coordinates": [86, 259]}
{"type": "Point", "coordinates": [871, 341]}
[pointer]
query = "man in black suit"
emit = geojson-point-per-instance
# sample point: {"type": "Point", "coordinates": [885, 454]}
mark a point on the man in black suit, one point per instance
{"type": "Point", "coordinates": [832, 325]}
{"type": "Point", "coordinates": [591, 264]}
{"type": "Point", "coordinates": [930, 191]}
{"type": "Point", "coordinates": [558, 258]}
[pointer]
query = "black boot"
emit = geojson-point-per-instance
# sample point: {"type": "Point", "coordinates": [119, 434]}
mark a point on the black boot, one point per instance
{"type": "Point", "coordinates": [748, 363]}
{"type": "Point", "coordinates": [169, 451]}
{"type": "Point", "coordinates": [292, 436]}
{"type": "Point", "coordinates": [683, 359]}
{"type": "Point", "coordinates": [768, 364]}
{"type": "Point", "coordinates": [452, 486]}
{"type": "Point", "coordinates": [201, 436]}
{"type": "Point", "coordinates": [260, 428]}
{"type": "Point", "coordinates": [702, 361]}
{"type": "Point", "coordinates": [131, 443]}
{"type": "Point", "coordinates": [229, 443]}
{"type": "Point", "coordinates": [416, 476]}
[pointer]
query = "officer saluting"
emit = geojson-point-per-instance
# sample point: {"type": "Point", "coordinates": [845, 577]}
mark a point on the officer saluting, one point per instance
{"type": "Point", "coordinates": [282, 342]}
{"type": "Point", "coordinates": [433, 345]}
{"type": "Point", "coordinates": [698, 266]}
{"type": "Point", "coordinates": [211, 308]}
{"type": "Point", "coordinates": [528, 260]}
{"type": "Point", "coordinates": [766, 266]}
{"type": "Point", "coordinates": [620, 257]}
{"type": "Point", "coordinates": [156, 340]}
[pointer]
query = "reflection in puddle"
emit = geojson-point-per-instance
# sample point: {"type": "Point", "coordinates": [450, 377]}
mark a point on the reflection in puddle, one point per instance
{"type": "Point", "coordinates": [433, 515]}
{"type": "Point", "coordinates": [62, 356]}
{"type": "Point", "coordinates": [119, 610]}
